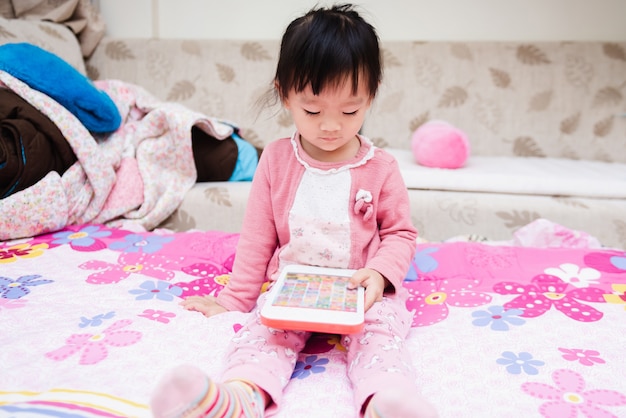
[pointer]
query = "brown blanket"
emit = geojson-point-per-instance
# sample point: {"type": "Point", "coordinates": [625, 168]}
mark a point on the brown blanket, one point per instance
{"type": "Point", "coordinates": [31, 145]}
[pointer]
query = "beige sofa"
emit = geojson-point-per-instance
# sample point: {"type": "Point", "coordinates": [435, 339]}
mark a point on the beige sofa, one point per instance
{"type": "Point", "coordinates": [545, 121]}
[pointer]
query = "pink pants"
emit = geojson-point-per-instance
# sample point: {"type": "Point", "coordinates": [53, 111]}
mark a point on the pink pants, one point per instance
{"type": "Point", "coordinates": [376, 356]}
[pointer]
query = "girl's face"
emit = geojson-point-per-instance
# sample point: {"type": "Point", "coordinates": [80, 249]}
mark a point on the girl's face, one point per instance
{"type": "Point", "coordinates": [329, 122]}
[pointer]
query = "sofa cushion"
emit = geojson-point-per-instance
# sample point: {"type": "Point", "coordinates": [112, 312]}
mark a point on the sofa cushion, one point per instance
{"type": "Point", "coordinates": [527, 99]}
{"type": "Point", "coordinates": [226, 79]}
{"type": "Point", "coordinates": [53, 37]}
{"type": "Point", "coordinates": [518, 175]}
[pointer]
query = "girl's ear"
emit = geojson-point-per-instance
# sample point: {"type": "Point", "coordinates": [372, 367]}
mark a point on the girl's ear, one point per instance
{"type": "Point", "coordinates": [283, 99]}
{"type": "Point", "coordinates": [278, 91]}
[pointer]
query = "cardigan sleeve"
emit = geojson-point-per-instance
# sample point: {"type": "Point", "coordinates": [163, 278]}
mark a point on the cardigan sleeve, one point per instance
{"type": "Point", "coordinates": [257, 243]}
{"type": "Point", "coordinates": [397, 234]}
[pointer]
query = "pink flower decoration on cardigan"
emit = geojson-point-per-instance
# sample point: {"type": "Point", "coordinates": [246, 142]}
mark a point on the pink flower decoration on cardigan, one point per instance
{"type": "Point", "coordinates": [363, 203]}
{"type": "Point", "coordinates": [129, 263]}
{"type": "Point", "coordinates": [94, 347]}
{"type": "Point", "coordinates": [570, 397]}
{"type": "Point", "coordinates": [546, 291]}
{"type": "Point", "coordinates": [429, 299]}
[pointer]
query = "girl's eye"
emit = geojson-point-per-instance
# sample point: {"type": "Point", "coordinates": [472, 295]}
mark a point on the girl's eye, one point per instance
{"type": "Point", "coordinates": [311, 113]}
{"type": "Point", "coordinates": [351, 113]}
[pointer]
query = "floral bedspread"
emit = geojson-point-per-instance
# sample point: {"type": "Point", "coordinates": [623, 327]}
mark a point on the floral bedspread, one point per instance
{"type": "Point", "coordinates": [90, 320]}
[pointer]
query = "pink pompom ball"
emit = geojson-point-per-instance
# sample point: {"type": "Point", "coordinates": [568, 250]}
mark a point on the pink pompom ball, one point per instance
{"type": "Point", "coordinates": [439, 144]}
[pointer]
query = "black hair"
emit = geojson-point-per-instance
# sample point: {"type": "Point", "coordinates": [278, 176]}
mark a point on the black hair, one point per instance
{"type": "Point", "coordinates": [326, 47]}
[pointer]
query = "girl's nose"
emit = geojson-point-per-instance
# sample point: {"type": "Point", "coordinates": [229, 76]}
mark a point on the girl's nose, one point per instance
{"type": "Point", "coordinates": [330, 124]}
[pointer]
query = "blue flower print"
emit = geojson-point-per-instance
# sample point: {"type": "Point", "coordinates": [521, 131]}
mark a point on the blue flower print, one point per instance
{"type": "Point", "coordinates": [498, 318]}
{"type": "Point", "coordinates": [311, 364]}
{"type": "Point", "coordinates": [619, 261]}
{"type": "Point", "coordinates": [15, 289]}
{"type": "Point", "coordinates": [134, 243]}
{"type": "Point", "coordinates": [95, 321]}
{"type": "Point", "coordinates": [422, 262]}
{"type": "Point", "coordinates": [158, 289]}
{"type": "Point", "coordinates": [515, 364]}
{"type": "Point", "coordinates": [85, 239]}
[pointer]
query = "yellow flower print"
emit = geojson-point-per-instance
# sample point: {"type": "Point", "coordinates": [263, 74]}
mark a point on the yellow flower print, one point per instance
{"type": "Point", "coordinates": [335, 340]}
{"type": "Point", "coordinates": [618, 296]}
{"type": "Point", "coordinates": [25, 250]}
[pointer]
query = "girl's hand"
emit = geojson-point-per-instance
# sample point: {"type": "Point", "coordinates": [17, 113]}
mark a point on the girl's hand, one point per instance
{"type": "Point", "coordinates": [207, 305]}
{"type": "Point", "coordinates": [373, 282]}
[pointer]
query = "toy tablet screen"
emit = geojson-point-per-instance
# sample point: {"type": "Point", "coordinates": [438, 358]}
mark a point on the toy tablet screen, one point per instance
{"type": "Point", "coordinates": [314, 299]}
{"type": "Point", "coordinates": [306, 290]}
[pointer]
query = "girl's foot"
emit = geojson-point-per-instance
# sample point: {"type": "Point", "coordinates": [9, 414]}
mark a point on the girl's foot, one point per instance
{"type": "Point", "coordinates": [401, 403]}
{"type": "Point", "coordinates": [187, 392]}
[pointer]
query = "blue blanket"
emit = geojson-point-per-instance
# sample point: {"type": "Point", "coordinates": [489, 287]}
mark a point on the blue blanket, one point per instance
{"type": "Point", "coordinates": [51, 75]}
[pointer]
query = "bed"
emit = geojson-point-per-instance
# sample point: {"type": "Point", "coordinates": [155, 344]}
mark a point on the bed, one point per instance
{"type": "Point", "coordinates": [89, 313]}
{"type": "Point", "coordinates": [90, 320]}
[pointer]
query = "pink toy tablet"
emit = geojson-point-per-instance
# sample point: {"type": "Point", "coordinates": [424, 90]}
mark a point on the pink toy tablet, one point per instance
{"type": "Point", "coordinates": [315, 299]}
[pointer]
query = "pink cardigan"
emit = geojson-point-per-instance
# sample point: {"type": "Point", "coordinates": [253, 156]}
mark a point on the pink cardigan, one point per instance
{"type": "Point", "coordinates": [384, 240]}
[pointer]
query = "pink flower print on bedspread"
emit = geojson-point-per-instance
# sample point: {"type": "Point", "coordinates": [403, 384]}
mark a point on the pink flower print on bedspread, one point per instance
{"type": "Point", "coordinates": [582, 356]}
{"type": "Point", "coordinates": [156, 266]}
{"type": "Point", "coordinates": [95, 347]}
{"type": "Point", "coordinates": [12, 303]}
{"type": "Point", "coordinates": [568, 397]}
{"type": "Point", "coordinates": [157, 315]}
{"type": "Point", "coordinates": [608, 262]}
{"type": "Point", "coordinates": [546, 291]}
{"type": "Point", "coordinates": [429, 300]}
{"type": "Point", "coordinates": [218, 246]}
{"type": "Point", "coordinates": [213, 278]}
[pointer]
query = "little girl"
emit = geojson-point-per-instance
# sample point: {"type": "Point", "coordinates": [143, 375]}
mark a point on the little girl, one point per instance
{"type": "Point", "coordinates": [324, 197]}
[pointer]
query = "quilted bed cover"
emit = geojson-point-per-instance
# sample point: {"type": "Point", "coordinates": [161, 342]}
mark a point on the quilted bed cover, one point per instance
{"type": "Point", "coordinates": [89, 321]}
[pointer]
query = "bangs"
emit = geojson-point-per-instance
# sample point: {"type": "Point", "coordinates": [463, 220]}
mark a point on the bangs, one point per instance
{"type": "Point", "coordinates": [326, 50]}
{"type": "Point", "coordinates": [324, 63]}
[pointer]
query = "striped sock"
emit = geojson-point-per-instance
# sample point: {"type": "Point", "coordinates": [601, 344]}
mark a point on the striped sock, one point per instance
{"type": "Point", "coordinates": [235, 398]}
{"type": "Point", "coordinates": [186, 392]}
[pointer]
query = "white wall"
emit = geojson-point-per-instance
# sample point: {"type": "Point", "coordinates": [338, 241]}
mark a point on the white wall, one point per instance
{"type": "Point", "coordinates": [603, 20]}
